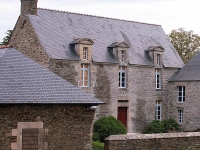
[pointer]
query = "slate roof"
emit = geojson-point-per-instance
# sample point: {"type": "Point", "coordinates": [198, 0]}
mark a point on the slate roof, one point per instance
{"type": "Point", "coordinates": [190, 72]}
{"type": "Point", "coordinates": [56, 30]}
{"type": "Point", "coordinates": [24, 81]}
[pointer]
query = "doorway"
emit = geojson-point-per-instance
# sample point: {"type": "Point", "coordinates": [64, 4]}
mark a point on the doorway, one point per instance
{"type": "Point", "coordinates": [122, 115]}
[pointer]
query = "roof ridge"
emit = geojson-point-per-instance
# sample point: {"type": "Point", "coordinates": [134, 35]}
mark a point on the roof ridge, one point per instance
{"type": "Point", "coordinates": [5, 46]}
{"type": "Point", "coordinates": [100, 16]}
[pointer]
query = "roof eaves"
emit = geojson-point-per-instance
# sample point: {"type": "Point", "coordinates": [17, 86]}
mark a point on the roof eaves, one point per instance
{"type": "Point", "coordinates": [5, 46]}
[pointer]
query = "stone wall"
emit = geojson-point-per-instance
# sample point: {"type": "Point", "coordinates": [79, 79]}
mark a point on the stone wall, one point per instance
{"type": "Point", "coordinates": [25, 40]}
{"type": "Point", "coordinates": [66, 127]}
{"type": "Point", "coordinates": [140, 94]}
{"type": "Point", "coordinates": [165, 141]}
{"type": "Point", "coordinates": [190, 107]}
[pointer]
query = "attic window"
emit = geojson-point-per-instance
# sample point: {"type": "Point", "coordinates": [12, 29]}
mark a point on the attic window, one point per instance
{"type": "Point", "coordinates": [158, 59]}
{"type": "Point", "coordinates": [85, 53]}
{"type": "Point", "coordinates": [123, 55]}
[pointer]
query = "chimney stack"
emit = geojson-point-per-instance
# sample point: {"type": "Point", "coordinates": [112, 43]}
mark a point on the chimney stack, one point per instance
{"type": "Point", "coordinates": [28, 7]}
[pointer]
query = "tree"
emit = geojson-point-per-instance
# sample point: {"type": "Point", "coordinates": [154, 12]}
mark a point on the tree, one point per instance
{"type": "Point", "coordinates": [186, 43]}
{"type": "Point", "coordinates": [6, 39]}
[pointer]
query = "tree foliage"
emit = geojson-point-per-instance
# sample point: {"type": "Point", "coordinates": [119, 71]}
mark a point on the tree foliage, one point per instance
{"type": "Point", "coordinates": [185, 42]}
{"type": "Point", "coordinates": [6, 39]}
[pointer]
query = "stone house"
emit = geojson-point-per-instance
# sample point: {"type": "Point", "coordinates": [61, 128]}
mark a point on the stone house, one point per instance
{"type": "Point", "coordinates": [40, 110]}
{"type": "Point", "coordinates": [184, 95]}
{"type": "Point", "coordinates": [125, 64]}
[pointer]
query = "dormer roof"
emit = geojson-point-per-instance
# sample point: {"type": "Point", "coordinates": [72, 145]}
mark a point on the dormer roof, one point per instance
{"type": "Point", "coordinates": [155, 48]}
{"type": "Point", "coordinates": [120, 44]}
{"type": "Point", "coordinates": [83, 41]}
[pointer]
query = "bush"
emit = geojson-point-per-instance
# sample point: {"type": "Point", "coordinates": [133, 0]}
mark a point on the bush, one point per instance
{"type": "Point", "coordinates": [155, 126]}
{"type": "Point", "coordinates": [170, 124]}
{"type": "Point", "coordinates": [96, 136]}
{"type": "Point", "coordinates": [107, 126]}
{"type": "Point", "coordinates": [96, 145]}
{"type": "Point", "coordinates": [163, 126]}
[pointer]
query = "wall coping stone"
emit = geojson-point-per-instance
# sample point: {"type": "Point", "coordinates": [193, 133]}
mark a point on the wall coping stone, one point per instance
{"type": "Point", "coordinates": [129, 136]}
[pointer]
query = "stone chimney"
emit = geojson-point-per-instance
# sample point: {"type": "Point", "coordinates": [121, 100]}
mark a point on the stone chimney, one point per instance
{"type": "Point", "coordinates": [28, 7]}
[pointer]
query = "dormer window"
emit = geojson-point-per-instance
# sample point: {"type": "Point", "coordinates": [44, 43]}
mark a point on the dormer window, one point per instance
{"type": "Point", "coordinates": [83, 48]}
{"type": "Point", "coordinates": [158, 59]}
{"type": "Point", "coordinates": [85, 53]}
{"type": "Point", "coordinates": [120, 51]}
{"type": "Point", "coordinates": [123, 55]}
{"type": "Point", "coordinates": [156, 54]}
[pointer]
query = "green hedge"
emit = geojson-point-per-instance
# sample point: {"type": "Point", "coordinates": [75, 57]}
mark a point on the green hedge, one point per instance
{"type": "Point", "coordinates": [96, 145]}
{"type": "Point", "coordinates": [107, 126]}
{"type": "Point", "coordinates": [163, 126]}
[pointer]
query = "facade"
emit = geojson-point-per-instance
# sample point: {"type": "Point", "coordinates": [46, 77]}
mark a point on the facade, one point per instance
{"type": "Point", "coordinates": [123, 63]}
{"type": "Point", "coordinates": [184, 95]}
{"type": "Point", "coordinates": [40, 110]}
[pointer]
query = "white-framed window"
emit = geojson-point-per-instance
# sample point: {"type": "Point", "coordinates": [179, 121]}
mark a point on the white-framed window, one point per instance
{"type": "Point", "coordinates": [123, 55]}
{"type": "Point", "coordinates": [158, 78]}
{"type": "Point", "coordinates": [158, 59]}
{"type": "Point", "coordinates": [85, 53]}
{"type": "Point", "coordinates": [85, 75]}
{"type": "Point", "coordinates": [181, 94]}
{"type": "Point", "coordinates": [180, 116]}
{"type": "Point", "coordinates": [158, 110]}
{"type": "Point", "coordinates": [122, 77]}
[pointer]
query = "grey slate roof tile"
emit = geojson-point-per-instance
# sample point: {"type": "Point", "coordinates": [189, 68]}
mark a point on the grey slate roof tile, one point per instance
{"type": "Point", "coordinates": [24, 81]}
{"type": "Point", "coordinates": [190, 72]}
{"type": "Point", "coordinates": [56, 29]}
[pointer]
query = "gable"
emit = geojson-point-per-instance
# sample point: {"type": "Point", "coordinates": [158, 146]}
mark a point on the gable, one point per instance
{"type": "Point", "coordinates": [25, 40]}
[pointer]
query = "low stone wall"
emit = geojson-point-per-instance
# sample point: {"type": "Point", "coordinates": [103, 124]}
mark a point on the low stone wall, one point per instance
{"type": "Point", "coordinates": [58, 127]}
{"type": "Point", "coordinates": [164, 141]}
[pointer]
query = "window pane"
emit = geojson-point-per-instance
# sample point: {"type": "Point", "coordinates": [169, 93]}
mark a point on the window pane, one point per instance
{"type": "Point", "coordinates": [181, 94]}
{"type": "Point", "coordinates": [122, 76]}
{"type": "Point", "coordinates": [85, 52]}
{"type": "Point", "coordinates": [84, 75]}
{"type": "Point", "coordinates": [158, 110]}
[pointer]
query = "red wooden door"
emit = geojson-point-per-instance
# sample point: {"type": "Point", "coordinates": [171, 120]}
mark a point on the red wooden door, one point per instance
{"type": "Point", "coordinates": [122, 115]}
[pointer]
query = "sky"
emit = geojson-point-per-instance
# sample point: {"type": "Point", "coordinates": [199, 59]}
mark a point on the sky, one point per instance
{"type": "Point", "coordinates": [170, 14]}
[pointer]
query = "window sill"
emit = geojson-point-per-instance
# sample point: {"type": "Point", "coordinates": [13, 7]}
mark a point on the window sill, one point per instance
{"type": "Point", "coordinates": [158, 89]}
{"type": "Point", "coordinates": [123, 88]}
{"type": "Point", "coordinates": [85, 87]}
{"type": "Point", "coordinates": [180, 102]}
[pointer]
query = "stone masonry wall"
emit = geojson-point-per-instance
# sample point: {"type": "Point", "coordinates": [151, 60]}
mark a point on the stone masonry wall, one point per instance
{"type": "Point", "coordinates": [166, 141]}
{"type": "Point", "coordinates": [65, 70]}
{"type": "Point", "coordinates": [68, 127]}
{"type": "Point", "coordinates": [140, 94]}
{"type": "Point", "coordinates": [26, 41]}
{"type": "Point", "coordinates": [191, 118]}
